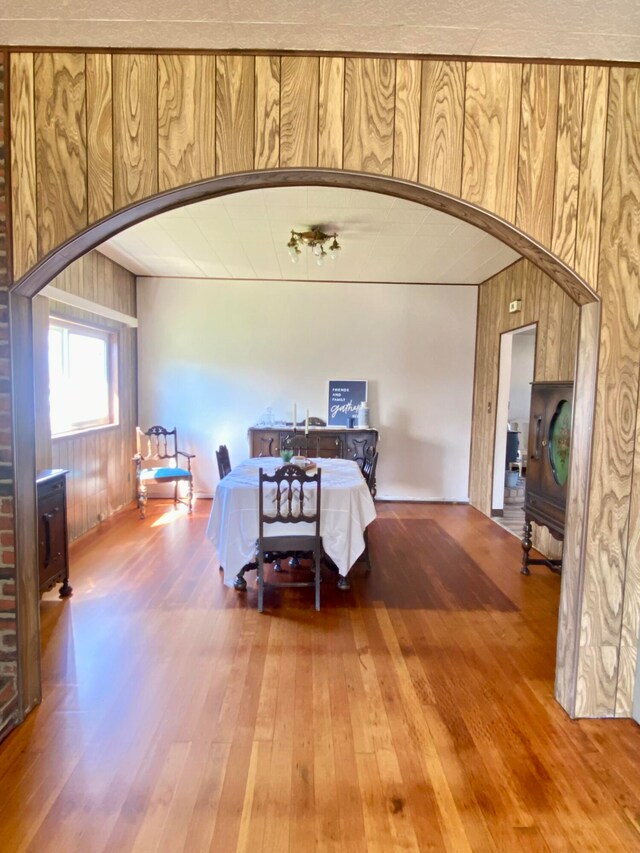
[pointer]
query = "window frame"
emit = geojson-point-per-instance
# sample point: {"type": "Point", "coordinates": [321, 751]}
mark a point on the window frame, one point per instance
{"type": "Point", "coordinates": [111, 338]}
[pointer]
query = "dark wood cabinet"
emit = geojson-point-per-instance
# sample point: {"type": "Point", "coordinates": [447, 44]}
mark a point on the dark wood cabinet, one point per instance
{"type": "Point", "coordinates": [324, 442]}
{"type": "Point", "coordinates": [548, 465]}
{"type": "Point", "coordinates": [53, 549]}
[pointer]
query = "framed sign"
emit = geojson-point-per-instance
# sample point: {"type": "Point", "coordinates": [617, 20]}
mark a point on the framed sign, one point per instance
{"type": "Point", "coordinates": [345, 396]}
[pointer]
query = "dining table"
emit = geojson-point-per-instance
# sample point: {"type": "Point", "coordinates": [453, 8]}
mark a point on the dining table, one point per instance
{"type": "Point", "coordinates": [347, 508]}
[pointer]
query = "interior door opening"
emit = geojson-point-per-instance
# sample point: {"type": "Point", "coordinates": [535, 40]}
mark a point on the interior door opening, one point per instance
{"type": "Point", "coordinates": [516, 373]}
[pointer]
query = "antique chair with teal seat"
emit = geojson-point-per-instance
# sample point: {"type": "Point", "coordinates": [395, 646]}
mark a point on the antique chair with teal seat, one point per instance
{"type": "Point", "coordinates": [157, 462]}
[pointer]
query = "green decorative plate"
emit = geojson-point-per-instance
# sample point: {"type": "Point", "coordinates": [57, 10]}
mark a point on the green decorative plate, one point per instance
{"type": "Point", "coordinates": [560, 442]}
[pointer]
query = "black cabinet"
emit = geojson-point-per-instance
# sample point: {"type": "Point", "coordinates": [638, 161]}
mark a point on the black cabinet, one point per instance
{"type": "Point", "coordinates": [53, 549]}
{"type": "Point", "coordinates": [548, 465]}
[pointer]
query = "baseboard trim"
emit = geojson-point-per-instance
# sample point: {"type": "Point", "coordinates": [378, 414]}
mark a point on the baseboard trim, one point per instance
{"type": "Point", "coordinates": [411, 500]}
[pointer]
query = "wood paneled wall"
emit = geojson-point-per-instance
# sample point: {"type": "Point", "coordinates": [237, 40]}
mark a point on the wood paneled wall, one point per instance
{"type": "Point", "coordinates": [557, 318]}
{"type": "Point", "coordinates": [100, 478]}
{"type": "Point", "coordinates": [551, 148]}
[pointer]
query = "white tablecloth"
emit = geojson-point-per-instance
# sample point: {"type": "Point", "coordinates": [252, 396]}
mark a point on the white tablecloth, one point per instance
{"type": "Point", "coordinates": [347, 509]}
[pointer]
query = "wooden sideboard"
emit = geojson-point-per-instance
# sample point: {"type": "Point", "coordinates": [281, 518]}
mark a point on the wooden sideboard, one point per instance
{"type": "Point", "coordinates": [53, 551]}
{"type": "Point", "coordinates": [548, 465]}
{"type": "Point", "coordinates": [332, 442]}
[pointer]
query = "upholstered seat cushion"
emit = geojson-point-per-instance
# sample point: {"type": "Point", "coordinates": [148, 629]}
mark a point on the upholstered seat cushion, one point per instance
{"type": "Point", "coordinates": [164, 474]}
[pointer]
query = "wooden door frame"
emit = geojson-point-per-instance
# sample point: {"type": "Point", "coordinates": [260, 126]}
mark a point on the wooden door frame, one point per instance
{"type": "Point", "coordinates": [56, 261]}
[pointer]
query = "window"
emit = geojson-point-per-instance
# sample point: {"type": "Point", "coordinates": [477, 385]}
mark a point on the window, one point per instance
{"type": "Point", "coordinates": [82, 377]}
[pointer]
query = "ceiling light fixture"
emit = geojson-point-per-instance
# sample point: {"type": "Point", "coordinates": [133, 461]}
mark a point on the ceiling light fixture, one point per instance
{"type": "Point", "coordinates": [314, 238]}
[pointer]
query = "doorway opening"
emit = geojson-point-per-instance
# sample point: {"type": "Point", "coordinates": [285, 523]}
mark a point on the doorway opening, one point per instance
{"type": "Point", "coordinates": [515, 375]}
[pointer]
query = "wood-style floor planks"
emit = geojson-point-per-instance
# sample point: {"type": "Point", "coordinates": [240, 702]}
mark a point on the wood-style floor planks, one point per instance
{"type": "Point", "coordinates": [415, 712]}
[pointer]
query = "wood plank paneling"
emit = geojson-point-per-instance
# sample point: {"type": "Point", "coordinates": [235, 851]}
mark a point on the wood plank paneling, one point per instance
{"type": "Point", "coordinates": [267, 118]}
{"type": "Point", "coordinates": [299, 111]}
{"type": "Point", "coordinates": [490, 165]}
{"type": "Point", "coordinates": [235, 84]}
{"type": "Point", "coordinates": [186, 119]}
{"type": "Point", "coordinates": [369, 111]}
{"type": "Point", "coordinates": [99, 136]}
{"type": "Point", "coordinates": [616, 407]}
{"type": "Point", "coordinates": [631, 616]}
{"type": "Point", "coordinates": [441, 126]}
{"type": "Point", "coordinates": [567, 162]}
{"type": "Point", "coordinates": [594, 124]}
{"type": "Point", "coordinates": [407, 119]}
{"type": "Point", "coordinates": [536, 161]}
{"type": "Point", "coordinates": [573, 552]}
{"type": "Point", "coordinates": [100, 469]}
{"type": "Point", "coordinates": [61, 147]}
{"type": "Point", "coordinates": [330, 112]}
{"type": "Point", "coordinates": [23, 164]}
{"type": "Point", "coordinates": [135, 127]}
{"type": "Point", "coordinates": [544, 303]}
{"type": "Point", "coordinates": [555, 335]}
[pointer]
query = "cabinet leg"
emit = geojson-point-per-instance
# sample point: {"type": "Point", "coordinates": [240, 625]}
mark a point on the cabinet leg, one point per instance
{"type": "Point", "coordinates": [526, 547]}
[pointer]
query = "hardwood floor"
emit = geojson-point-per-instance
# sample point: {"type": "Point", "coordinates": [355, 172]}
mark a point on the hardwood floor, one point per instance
{"type": "Point", "coordinates": [415, 712]}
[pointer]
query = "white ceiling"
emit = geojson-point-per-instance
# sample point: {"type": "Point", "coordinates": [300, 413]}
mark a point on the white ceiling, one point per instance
{"type": "Point", "coordinates": [245, 236]}
{"type": "Point", "coordinates": [579, 29]}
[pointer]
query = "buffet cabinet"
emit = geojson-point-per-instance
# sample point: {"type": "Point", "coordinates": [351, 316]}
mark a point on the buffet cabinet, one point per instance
{"type": "Point", "coordinates": [322, 442]}
{"type": "Point", "coordinates": [548, 464]}
{"type": "Point", "coordinates": [53, 550]}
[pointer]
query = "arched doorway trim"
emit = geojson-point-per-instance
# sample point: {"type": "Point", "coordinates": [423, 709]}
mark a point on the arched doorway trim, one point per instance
{"type": "Point", "coordinates": [41, 274]}
{"type": "Point", "coordinates": [53, 264]}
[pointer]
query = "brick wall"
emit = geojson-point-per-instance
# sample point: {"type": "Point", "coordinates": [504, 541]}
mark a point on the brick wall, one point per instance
{"type": "Point", "coordinates": [8, 655]}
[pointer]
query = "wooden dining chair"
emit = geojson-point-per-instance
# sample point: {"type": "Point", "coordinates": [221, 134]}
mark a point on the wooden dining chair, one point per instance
{"type": "Point", "coordinates": [291, 496]}
{"type": "Point", "coordinates": [369, 470]}
{"type": "Point", "coordinates": [224, 463]}
{"type": "Point", "coordinates": [369, 474]}
{"type": "Point", "coordinates": [159, 446]}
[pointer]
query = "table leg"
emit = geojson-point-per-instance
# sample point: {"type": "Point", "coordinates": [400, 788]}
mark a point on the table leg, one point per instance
{"type": "Point", "coordinates": [240, 583]}
{"type": "Point", "coordinates": [344, 583]}
{"type": "Point", "coordinates": [526, 547]}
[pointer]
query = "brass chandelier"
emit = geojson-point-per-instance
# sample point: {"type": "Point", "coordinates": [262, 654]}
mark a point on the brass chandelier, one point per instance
{"type": "Point", "coordinates": [315, 238]}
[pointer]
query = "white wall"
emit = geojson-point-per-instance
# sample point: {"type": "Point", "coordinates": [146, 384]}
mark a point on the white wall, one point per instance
{"type": "Point", "coordinates": [523, 358]}
{"type": "Point", "coordinates": [214, 354]}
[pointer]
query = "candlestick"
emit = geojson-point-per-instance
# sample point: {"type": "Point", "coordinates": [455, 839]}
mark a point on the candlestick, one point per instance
{"type": "Point", "coordinates": [306, 424]}
{"type": "Point", "coordinates": [295, 419]}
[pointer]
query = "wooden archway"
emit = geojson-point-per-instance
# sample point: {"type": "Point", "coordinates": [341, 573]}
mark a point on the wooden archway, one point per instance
{"type": "Point", "coordinates": [56, 261]}
{"type": "Point", "coordinates": [81, 243]}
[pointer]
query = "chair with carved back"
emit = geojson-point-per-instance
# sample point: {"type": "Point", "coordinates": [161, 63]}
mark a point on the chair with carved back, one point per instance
{"type": "Point", "coordinates": [289, 496]}
{"type": "Point", "coordinates": [369, 470]}
{"type": "Point", "coordinates": [224, 463]}
{"type": "Point", "coordinates": [369, 473]}
{"type": "Point", "coordinates": [157, 462]}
